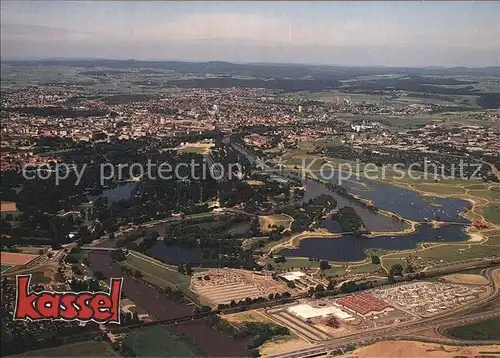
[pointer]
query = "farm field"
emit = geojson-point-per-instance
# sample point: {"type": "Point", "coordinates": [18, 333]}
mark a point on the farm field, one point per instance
{"type": "Point", "coordinates": [80, 349]}
{"type": "Point", "coordinates": [160, 342]}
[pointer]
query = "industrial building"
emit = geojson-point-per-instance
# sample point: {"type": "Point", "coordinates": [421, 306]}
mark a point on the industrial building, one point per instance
{"type": "Point", "coordinates": [365, 305]}
{"type": "Point", "coordinates": [306, 312]}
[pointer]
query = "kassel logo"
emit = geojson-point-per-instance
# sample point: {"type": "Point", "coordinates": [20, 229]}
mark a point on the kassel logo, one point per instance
{"type": "Point", "coordinates": [100, 307]}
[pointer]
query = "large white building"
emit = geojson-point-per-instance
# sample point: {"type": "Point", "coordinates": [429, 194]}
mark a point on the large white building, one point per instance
{"type": "Point", "coordinates": [306, 311]}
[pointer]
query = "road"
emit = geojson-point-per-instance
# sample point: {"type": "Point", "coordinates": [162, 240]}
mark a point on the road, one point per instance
{"type": "Point", "coordinates": [398, 332]}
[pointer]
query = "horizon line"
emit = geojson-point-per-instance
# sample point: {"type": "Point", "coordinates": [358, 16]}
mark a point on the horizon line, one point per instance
{"type": "Point", "coordinates": [34, 58]}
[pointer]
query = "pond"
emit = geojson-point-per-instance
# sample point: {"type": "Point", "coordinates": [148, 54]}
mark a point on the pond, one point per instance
{"type": "Point", "coordinates": [114, 194]}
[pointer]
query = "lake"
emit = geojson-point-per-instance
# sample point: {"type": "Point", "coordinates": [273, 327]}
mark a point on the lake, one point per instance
{"type": "Point", "coordinates": [352, 248]}
{"type": "Point", "coordinates": [405, 202]}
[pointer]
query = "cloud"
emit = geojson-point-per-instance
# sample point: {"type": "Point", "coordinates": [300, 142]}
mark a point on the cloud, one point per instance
{"type": "Point", "coordinates": [19, 32]}
{"type": "Point", "coordinates": [256, 37]}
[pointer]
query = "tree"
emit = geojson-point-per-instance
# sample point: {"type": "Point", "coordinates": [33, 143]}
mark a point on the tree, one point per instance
{"type": "Point", "coordinates": [390, 277]}
{"type": "Point", "coordinates": [324, 265]}
{"type": "Point", "coordinates": [137, 274]}
{"type": "Point", "coordinates": [319, 288]}
{"type": "Point", "coordinates": [135, 317]}
{"type": "Point", "coordinates": [271, 296]}
{"type": "Point", "coordinates": [279, 259]}
{"type": "Point", "coordinates": [94, 285]}
{"type": "Point", "coordinates": [205, 309]}
{"type": "Point", "coordinates": [180, 268]}
{"type": "Point", "coordinates": [410, 268]}
{"type": "Point", "coordinates": [397, 270]}
{"type": "Point", "coordinates": [254, 353]}
{"type": "Point", "coordinates": [188, 270]}
{"type": "Point", "coordinates": [291, 284]}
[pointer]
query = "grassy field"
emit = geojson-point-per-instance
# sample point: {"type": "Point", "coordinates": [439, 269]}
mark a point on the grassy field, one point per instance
{"type": "Point", "coordinates": [488, 330]}
{"type": "Point", "coordinates": [447, 253]}
{"type": "Point", "coordinates": [492, 213]}
{"type": "Point", "coordinates": [494, 240]}
{"type": "Point", "coordinates": [160, 342]}
{"type": "Point", "coordinates": [159, 274]}
{"type": "Point", "coordinates": [157, 270]}
{"type": "Point", "coordinates": [80, 349]}
{"type": "Point", "coordinates": [198, 148]}
{"type": "Point", "coordinates": [278, 220]}
{"type": "Point", "coordinates": [439, 188]}
{"type": "Point", "coordinates": [5, 267]}
{"type": "Point", "coordinates": [334, 270]}
{"type": "Point", "coordinates": [296, 263]}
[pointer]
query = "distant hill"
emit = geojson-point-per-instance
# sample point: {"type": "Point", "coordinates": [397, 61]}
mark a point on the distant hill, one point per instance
{"type": "Point", "coordinates": [275, 70]}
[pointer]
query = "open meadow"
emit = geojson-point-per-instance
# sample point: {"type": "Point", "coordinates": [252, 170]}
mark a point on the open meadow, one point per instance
{"type": "Point", "coordinates": [269, 222]}
{"type": "Point", "coordinates": [159, 274]}
{"type": "Point", "coordinates": [443, 253]}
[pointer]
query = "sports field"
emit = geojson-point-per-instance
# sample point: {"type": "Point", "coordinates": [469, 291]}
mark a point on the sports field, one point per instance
{"type": "Point", "coordinates": [160, 342]}
{"type": "Point", "coordinates": [6, 206]}
{"type": "Point", "coordinates": [12, 258]}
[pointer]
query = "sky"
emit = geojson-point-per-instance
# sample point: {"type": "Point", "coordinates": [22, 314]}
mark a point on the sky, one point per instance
{"type": "Point", "coordinates": [411, 34]}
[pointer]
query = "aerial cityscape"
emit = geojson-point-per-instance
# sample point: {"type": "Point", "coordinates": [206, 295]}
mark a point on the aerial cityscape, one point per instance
{"type": "Point", "coordinates": [250, 179]}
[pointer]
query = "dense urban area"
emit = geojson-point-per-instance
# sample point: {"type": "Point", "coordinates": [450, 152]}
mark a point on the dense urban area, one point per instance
{"type": "Point", "coordinates": [252, 209]}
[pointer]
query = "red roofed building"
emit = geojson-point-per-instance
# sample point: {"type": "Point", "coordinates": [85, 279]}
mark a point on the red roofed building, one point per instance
{"type": "Point", "coordinates": [365, 304]}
